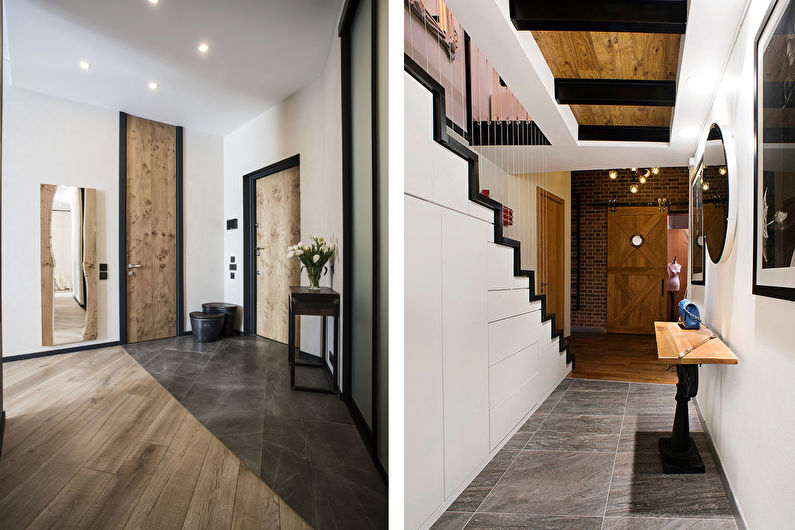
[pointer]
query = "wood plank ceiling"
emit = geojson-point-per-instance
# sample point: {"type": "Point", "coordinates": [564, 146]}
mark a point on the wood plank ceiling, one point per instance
{"type": "Point", "coordinates": [614, 61]}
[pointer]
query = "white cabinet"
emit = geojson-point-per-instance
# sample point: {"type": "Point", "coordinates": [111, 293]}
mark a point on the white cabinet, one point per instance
{"type": "Point", "coordinates": [465, 345]}
{"type": "Point", "coordinates": [424, 417]}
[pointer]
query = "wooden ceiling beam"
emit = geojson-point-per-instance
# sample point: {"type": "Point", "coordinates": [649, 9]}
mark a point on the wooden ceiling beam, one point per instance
{"type": "Point", "coordinates": [624, 133]}
{"type": "Point", "coordinates": [640, 16]}
{"type": "Point", "coordinates": [615, 92]}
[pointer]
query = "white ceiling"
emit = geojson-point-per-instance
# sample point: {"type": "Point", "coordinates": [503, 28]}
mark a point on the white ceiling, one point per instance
{"type": "Point", "coordinates": [711, 31]}
{"type": "Point", "coordinates": [261, 51]}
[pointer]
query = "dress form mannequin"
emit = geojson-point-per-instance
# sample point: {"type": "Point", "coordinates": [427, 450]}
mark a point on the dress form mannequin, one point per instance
{"type": "Point", "coordinates": [674, 268]}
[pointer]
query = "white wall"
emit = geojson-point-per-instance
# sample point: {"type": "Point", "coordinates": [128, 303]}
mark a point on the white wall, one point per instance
{"type": "Point", "coordinates": [203, 225]}
{"type": "Point", "coordinates": [307, 123]}
{"type": "Point", "coordinates": [47, 140]}
{"type": "Point", "coordinates": [478, 360]}
{"type": "Point", "coordinates": [55, 141]}
{"type": "Point", "coordinates": [749, 408]}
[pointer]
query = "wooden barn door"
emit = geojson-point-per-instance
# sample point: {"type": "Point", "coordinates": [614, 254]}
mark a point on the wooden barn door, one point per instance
{"type": "Point", "coordinates": [278, 225]}
{"type": "Point", "coordinates": [636, 273]}
{"type": "Point", "coordinates": [551, 245]}
{"type": "Point", "coordinates": [151, 230]}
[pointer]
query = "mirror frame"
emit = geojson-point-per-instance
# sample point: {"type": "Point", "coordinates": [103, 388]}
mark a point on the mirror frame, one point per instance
{"type": "Point", "coordinates": [731, 167]}
{"type": "Point", "coordinates": [690, 269]}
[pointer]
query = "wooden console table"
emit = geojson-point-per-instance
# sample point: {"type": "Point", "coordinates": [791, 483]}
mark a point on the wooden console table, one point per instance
{"type": "Point", "coordinates": [679, 453]}
{"type": "Point", "coordinates": [322, 302]}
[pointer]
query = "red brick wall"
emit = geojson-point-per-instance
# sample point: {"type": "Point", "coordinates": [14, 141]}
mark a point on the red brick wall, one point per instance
{"type": "Point", "coordinates": [596, 187]}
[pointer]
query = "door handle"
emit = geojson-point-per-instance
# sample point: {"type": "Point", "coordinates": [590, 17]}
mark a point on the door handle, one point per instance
{"type": "Point", "coordinates": [133, 265]}
{"type": "Point", "coordinates": [662, 287]}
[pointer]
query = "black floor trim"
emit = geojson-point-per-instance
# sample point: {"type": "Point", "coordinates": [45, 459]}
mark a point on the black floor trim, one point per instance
{"type": "Point", "coordinates": [440, 135]}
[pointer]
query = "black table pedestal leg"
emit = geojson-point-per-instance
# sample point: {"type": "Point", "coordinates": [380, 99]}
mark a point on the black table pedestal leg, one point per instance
{"type": "Point", "coordinates": [679, 453]}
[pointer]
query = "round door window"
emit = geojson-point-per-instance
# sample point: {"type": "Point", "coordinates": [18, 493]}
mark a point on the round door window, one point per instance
{"type": "Point", "coordinates": [636, 240]}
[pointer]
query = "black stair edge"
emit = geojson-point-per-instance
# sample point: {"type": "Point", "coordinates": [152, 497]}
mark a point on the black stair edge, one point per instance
{"type": "Point", "coordinates": [441, 137]}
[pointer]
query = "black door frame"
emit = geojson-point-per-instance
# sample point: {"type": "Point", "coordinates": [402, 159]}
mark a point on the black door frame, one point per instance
{"type": "Point", "coordinates": [250, 238]}
{"type": "Point", "coordinates": [180, 330]}
{"type": "Point", "coordinates": [369, 433]}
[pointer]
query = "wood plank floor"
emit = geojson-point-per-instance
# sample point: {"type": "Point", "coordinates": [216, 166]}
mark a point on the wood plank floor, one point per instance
{"type": "Point", "coordinates": [618, 357]}
{"type": "Point", "coordinates": [93, 441]}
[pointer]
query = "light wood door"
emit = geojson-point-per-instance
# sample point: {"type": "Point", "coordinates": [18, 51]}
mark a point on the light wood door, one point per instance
{"type": "Point", "coordinates": [551, 243]}
{"type": "Point", "coordinates": [278, 219]}
{"type": "Point", "coordinates": [151, 230]}
{"type": "Point", "coordinates": [636, 275]}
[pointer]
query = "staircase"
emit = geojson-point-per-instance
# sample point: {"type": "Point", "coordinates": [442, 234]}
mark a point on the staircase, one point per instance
{"type": "Point", "coordinates": [481, 353]}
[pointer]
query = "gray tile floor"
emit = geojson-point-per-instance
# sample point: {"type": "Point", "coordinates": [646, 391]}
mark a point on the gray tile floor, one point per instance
{"type": "Point", "coordinates": [304, 445]}
{"type": "Point", "coordinates": [588, 458]}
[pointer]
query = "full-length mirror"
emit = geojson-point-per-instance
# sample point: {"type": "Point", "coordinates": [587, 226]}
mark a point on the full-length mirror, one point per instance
{"type": "Point", "coordinates": [697, 227]}
{"type": "Point", "coordinates": [715, 193]}
{"type": "Point", "coordinates": [68, 264]}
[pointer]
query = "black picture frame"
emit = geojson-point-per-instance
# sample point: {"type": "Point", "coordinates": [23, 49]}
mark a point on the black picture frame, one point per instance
{"type": "Point", "coordinates": [696, 197]}
{"type": "Point", "coordinates": [764, 95]}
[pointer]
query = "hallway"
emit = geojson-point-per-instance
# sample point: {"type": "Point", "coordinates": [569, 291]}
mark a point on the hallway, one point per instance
{"type": "Point", "coordinates": [588, 458]}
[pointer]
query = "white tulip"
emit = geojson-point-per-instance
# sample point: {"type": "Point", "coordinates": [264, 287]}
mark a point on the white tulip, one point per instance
{"type": "Point", "coordinates": [321, 240]}
{"type": "Point", "coordinates": [299, 252]}
{"type": "Point", "coordinates": [324, 248]}
{"type": "Point", "coordinates": [311, 236]}
{"type": "Point", "coordinates": [316, 258]}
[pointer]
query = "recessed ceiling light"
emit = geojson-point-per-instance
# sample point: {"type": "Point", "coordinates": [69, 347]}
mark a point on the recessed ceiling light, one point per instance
{"type": "Point", "coordinates": [204, 47]}
{"type": "Point", "coordinates": [85, 65]}
{"type": "Point", "coordinates": [153, 85]}
{"type": "Point", "coordinates": [154, 2]}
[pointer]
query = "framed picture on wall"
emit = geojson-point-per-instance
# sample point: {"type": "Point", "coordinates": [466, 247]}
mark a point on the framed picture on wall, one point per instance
{"type": "Point", "coordinates": [774, 179]}
{"type": "Point", "coordinates": [697, 242]}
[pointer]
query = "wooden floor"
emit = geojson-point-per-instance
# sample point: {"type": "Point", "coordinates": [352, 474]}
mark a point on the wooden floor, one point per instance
{"type": "Point", "coordinates": [93, 441]}
{"type": "Point", "coordinates": [618, 357]}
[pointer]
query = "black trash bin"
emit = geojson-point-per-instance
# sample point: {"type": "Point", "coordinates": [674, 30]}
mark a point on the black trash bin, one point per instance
{"type": "Point", "coordinates": [205, 327]}
{"type": "Point", "coordinates": [230, 310]}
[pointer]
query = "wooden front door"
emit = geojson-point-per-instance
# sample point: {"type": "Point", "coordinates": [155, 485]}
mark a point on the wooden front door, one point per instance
{"type": "Point", "coordinates": [278, 225]}
{"type": "Point", "coordinates": [636, 271]}
{"type": "Point", "coordinates": [151, 230]}
{"type": "Point", "coordinates": [551, 243]}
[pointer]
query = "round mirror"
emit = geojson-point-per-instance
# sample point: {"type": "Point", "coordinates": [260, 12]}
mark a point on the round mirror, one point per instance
{"type": "Point", "coordinates": [715, 193]}
{"type": "Point", "coordinates": [636, 240]}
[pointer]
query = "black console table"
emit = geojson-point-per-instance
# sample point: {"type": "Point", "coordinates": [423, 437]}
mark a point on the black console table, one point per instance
{"type": "Point", "coordinates": [322, 302]}
{"type": "Point", "coordinates": [687, 349]}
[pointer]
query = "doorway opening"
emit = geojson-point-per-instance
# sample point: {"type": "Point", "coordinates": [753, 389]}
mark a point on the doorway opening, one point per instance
{"type": "Point", "coordinates": [639, 248]}
{"type": "Point", "coordinates": [271, 223]}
